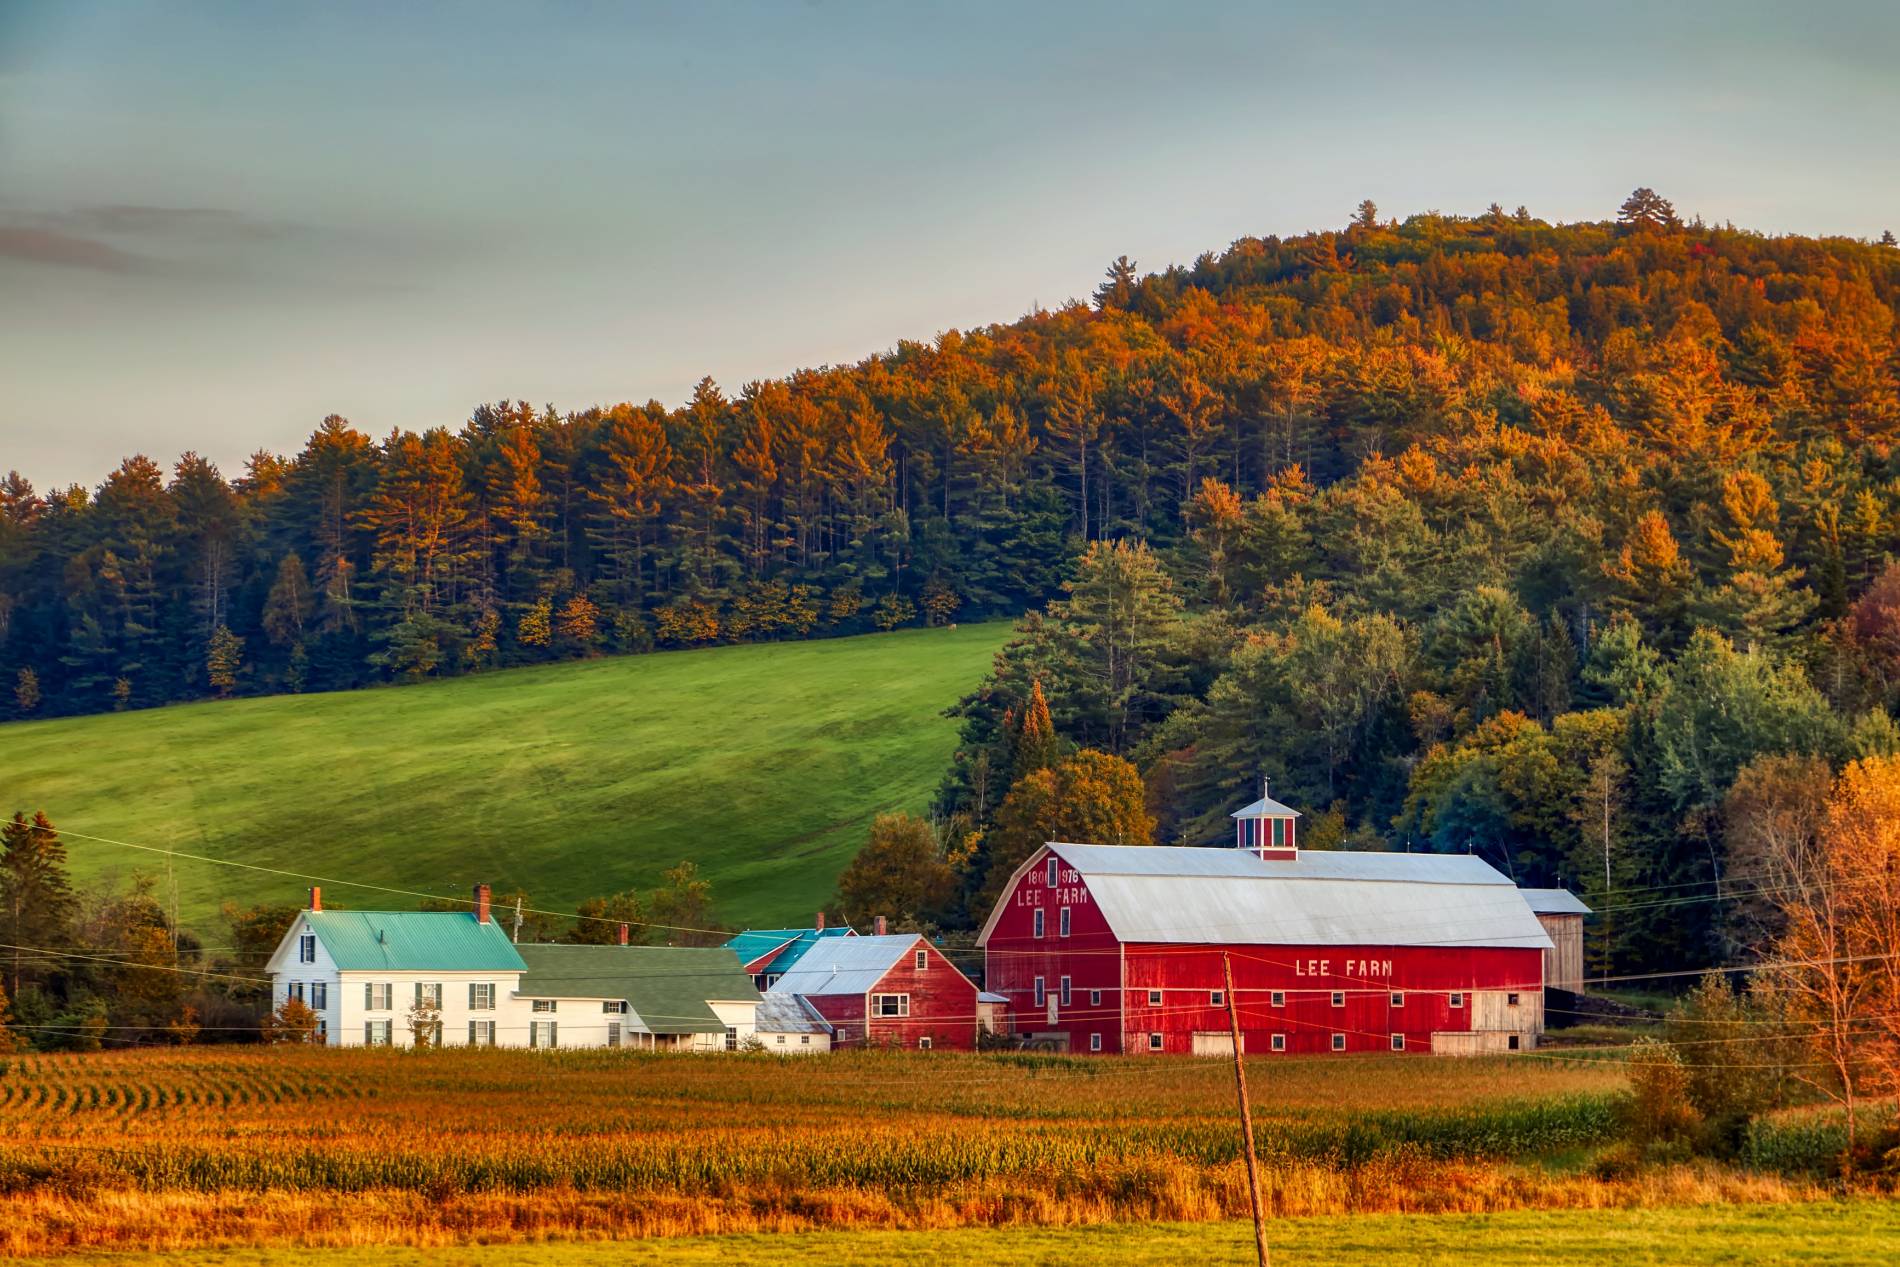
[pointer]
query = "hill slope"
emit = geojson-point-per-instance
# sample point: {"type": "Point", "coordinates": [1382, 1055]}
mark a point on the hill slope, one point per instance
{"type": "Point", "coordinates": [762, 763]}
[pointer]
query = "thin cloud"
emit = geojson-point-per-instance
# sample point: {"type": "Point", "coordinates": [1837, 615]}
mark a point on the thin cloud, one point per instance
{"type": "Point", "coordinates": [65, 250]}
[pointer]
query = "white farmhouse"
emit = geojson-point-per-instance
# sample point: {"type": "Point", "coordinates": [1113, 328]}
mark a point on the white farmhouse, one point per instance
{"type": "Point", "coordinates": [391, 978]}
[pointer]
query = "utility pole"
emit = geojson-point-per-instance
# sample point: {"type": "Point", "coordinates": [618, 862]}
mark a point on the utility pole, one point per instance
{"type": "Point", "coordinates": [1246, 1114]}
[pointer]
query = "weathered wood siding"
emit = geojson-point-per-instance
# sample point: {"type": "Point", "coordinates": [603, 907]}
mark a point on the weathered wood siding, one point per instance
{"type": "Point", "coordinates": [1563, 962]}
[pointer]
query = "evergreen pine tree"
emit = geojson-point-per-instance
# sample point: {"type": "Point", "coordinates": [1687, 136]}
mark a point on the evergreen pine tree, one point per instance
{"type": "Point", "coordinates": [36, 897]}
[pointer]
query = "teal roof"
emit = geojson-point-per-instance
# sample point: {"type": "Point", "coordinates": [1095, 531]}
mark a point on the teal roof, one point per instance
{"type": "Point", "coordinates": [790, 943]}
{"type": "Point", "coordinates": [666, 986]}
{"type": "Point", "coordinates": [413, 941]}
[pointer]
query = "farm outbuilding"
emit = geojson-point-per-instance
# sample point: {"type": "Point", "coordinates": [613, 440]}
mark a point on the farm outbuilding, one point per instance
{"type": "Point", "coordinates": [768, 952]}
{"type": "Point", "coordinates": [1561, 913]}
{"type": "Point", "coordinates": [893, 990]}
{"type": "Point", "coordinates": [792, 1027]}
{"type": "Point", "coordinates": [1106, 948]}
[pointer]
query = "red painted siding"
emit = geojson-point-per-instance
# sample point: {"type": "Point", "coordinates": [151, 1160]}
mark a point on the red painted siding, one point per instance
{"type": "Point", "coordinates": [1089, 956]}
{"type": "Point", "coordinates": [942, 1003]}
{"type": "Point", "coordinates": [846, 1014]}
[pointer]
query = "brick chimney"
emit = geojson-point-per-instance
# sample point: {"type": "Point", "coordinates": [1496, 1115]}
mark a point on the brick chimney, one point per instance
{"type": "Point", "coordinates": [623, 934]}
{"type": "Point", "coordinates": [820, 925]}
{"type": "Point", "coordinates": [481, 903]}
{"type": "Point", "coordinates": [880, 926]}
{"type": "Point", "coordinates": [316, 898]}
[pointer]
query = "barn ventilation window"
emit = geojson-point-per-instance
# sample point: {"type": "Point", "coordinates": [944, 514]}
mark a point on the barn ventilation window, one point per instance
{"type": "Point", "coordinates": [1095, 1042]}
{"type": "Point", "coordinates": [923, 1043]}
{"type": "Point", "coordinates": [1279, 1042]}
{"type": "Point", "coordinates": [1053, 864]}
{"type": "Point", "coordinates": [1511, 999]}
{"type": "Point", "coordinates": [1095, 998]}
{"type": "Point", "coordinates": [1457, 998]}
{"type": "Point", "coordinates": [1398, 999]}
{"type": "Point", "coordinates": [1040, 922]}
{"type": "Point", "coordinates": [1217, 998]}
{"type": "Point", "coordinates": [1398, 1042]}
{"type": "Point", "coordinates": [1278, 998]}
{"type": "Point", "coordinates": [1062, 922]}
{"type": "Point", "coordinates": [1154, 1042]}
{"type": "Point", "coordinates": [1154, 998]}
{"type": "Point", "coordinates": [1339, 1042]}
{"type": "Point", "coordinates": [1339, 998]}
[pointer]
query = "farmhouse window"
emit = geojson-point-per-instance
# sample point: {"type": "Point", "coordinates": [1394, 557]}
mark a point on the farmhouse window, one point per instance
{"type": "Point", "coordinates": [1041, 994]}
{"type": "Point", "coordinates": [1053, 864]}
{"type": "Point", "coordinates": [923, 960]}
{"type": "Point", "coordinates": [804, 1040]}
{"type": "Point", "coordinates": [890, 1005]}
{"type": "Point", "coordinates": [1217, 998]}
{"type": "Point", "coordinates": [732, 1039]}
{"type": "Point", "coordinates": [1339, 998]}
{"type": "Point", "coordinates": [1095, 998]}
{"type": "Point", "coordinates": [481, 1033]}
{"type": "Point", "coordinates": [1095, 1042]}
{"type": "Point", "coordinates": [319, 994]}
{"type": "Point", "coordinates": [307, 948]}
{"type": "Point", "coordinates": [543, 1034]}
{"type": "Point", "coordinates": [376, 996]}
{"type": "Point", "coordinates": [1457, 998]}
{"type": "Point", "coordinates": [1039, 921]}
{"type": "Point", "coordinates": [1510, 999]}
{"type": "Point", "coordinates": [545, 1005]}
{"type": "Point", "coordinates": [923, 1043]}
{"type": "Point", "coordinates": [1398, 1042]}
{"type": "Point", "coordinates": [1277, 998]}
{"type": "Point", "coordinates": [1511, 1042]}
{"type": "Point", "coordinates": [294, 991]}
{"type": "Point", "coordinates": [613, 1033]}
{"type": "Point", "coordinates": [1154, 998]}
{"type": "Point", "coordinates": [1154, 1042]}
{"type": "Point", "coordinates": [481, 996]}
{"type": "Point", "coordinates": [1062, 922]}
{"type": "Point", "coordinates": [323, 1030]}
{"type": "Point", "coordinates": [1339, 1042]}
{"type": "Point", "coordinates": [1065, 991]}
{"type": "Point", "coordinates": [376, 1033]}
{"type": "Point", "coordinates": [1279, 1042]}
{"type": "Point", "coordinates": [781, 1040]}
{"type": "Point", "coordinates": [1398, 998]}
{"type": "Point", "coordinates": [429, 994]}
{"type": "Point", "coordinates": [615, 1006]}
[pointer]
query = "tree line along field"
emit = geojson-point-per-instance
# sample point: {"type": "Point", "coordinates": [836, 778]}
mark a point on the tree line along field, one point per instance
{"type": "Point", "coordinates": [187, 1148]}
{"type": "Point", "coordinates": [763, 764]}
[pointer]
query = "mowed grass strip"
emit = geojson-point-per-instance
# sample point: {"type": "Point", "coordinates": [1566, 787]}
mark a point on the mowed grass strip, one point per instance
{"type": "Point", "coordinates": [764, 764]}
{"type": "Point", "coordinates": [1848, 1232]}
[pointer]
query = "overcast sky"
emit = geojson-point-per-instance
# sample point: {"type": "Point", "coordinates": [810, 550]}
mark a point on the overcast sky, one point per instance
{"type": "Point", "coordinates": [219, 223]}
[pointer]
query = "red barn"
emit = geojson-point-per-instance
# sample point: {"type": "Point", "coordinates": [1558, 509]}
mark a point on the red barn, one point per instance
{"type": "Point", "coordinates": [1111, 948]}
{"type": "Point", "coordinates": [885, 991]}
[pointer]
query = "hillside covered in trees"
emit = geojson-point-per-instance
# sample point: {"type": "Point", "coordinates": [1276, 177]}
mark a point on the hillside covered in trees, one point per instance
{"type": "Point", "coordinates": [1562, 543]}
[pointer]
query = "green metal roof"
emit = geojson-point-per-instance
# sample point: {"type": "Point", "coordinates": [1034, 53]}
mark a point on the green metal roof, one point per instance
{"type": "Point", "coordinates": [414, 941]}
{"type": "Point", "coordinates": [666, 986]}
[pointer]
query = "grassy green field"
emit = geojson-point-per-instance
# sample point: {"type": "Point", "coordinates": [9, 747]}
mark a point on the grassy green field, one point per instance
{"type": "Point", "coordinates": [762, 763]}
{"type": "Point", "coordinates": [1831, 1232]}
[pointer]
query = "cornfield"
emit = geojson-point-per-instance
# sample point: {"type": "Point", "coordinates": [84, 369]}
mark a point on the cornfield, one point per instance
{"type": "Point", "coordinates": [491, 1144]}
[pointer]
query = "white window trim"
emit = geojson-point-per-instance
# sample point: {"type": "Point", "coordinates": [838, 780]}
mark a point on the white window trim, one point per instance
{"type": "Point", "coordinates": [1095, 998]}
{"type": "Point", "coordinates": [1339, 998]}
{"type": "Point", "coordinates": [307, 948]}
{"type": "Point", "coordinates": [1339, 1042]}
{"type": "Point", "coordinates": [1217, 998]}
{"type": "Point", "coordinates": [1457, 998]}
{"type": "Point", "coordinates": [1062, 922]}
{"type": "Point", "coordinates": [1398, 998]}
{"type": "Point", "coordinates": [1154, 998]}
{"type": "Point", "coordinates": [1042, 993]}
{"type": "Point", "coordinates": [1039, 922]}
{"type": "Point", "coordinates": [1053, 871]}
{"type": "Point", "coordinates": [1154, 1042]}
{"type": "Point", "coordinates": [1278, 1042]}
{"type": "Point", "coordinates": [1276, 998]}
{"type": "Point", "coordinates": [877, 1007]}
{"type": "Point", "coordinates": [1398, 1042]}
{"type": "Point", "coordinates": [923, 1042]}
{"type": "Point", "coordinates": [1095, 1042]}
{"type": "Point", "coordinates": [923, 961]}
{"type": "Point", "coordinates": [1062, 990]}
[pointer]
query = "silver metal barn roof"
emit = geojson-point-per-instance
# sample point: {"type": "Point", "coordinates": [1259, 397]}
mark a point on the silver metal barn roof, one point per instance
{"type": "Point", "coordinates": [844, 965]}
{"type": "Point", "coordinates": [1555, 902]}
{"type": "Point", "coordinates": [1154, 893]}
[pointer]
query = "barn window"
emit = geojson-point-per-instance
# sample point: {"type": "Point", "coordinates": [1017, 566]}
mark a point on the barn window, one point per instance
{"type": "Point", "coordinates": [890, 1005]}
{"type": "Point", "coordinates": [923, 1043]}
{"type": "Point", "coordinates": [481, 1033]}
{"type": "Point", "coordinates": [1062, 922]}
{"type": "Point", "coordinates": [1398, 1042]}
{"type": "Point", "coordinates": [1279, 1042]}
{"type": "Point", "coordinates": [319, 994]}
{"type": "Point", "coordinates": [1095, 998]}
{"type": "Point", "coordinates": [1065, 991]}
{"type": "Point", "coordinates": [1040, 994]}
{"type": "Point", "coordinates": [1154, 998]}
{"type": "Point", "coordinates": [1457, 998]}
{"type": "Point", "coordinates": [1398, 999]}
{"type": "Point", "coordinates": [1053, 874]}
{"type": "Point", "coordinates": [1339, 998]}
{"type": "Point", "coordinates": [1217, 998]}
{"type": "Point", "coordinates": [545, 1005]}
{"type": "Point", "coordinates": [1095, 1042]}
{"type": "Point", "coordinates": [307, 948]}
{"type": "Point", "coordinates": [923, 960]}
{"type": "Point", "coordinates": [1339, 1042]}
{"type": "Point", "coordinates": [481, 996]}
{"type": "Point", "coordinates": [1511, 1043]}
{"type": "Point", "coordinates": [1039, 921]}
{"type": "Point", "coordinates": [1278, 998]}
{"type": "Point", "coordinates": [1511, 999]}
{"type": "Point", "coordinates": [1154, 1042]}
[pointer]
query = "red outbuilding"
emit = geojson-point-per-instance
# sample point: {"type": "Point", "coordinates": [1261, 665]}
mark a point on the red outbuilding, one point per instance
{"type": "Point", "coordinates": [1112, 948]}
{"type": "Point", "coordinates": [885, 991]}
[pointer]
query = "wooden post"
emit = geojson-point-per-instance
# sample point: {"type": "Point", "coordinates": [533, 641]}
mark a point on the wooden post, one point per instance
{"type": "Point", "coordinates": [1246, 1114]}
